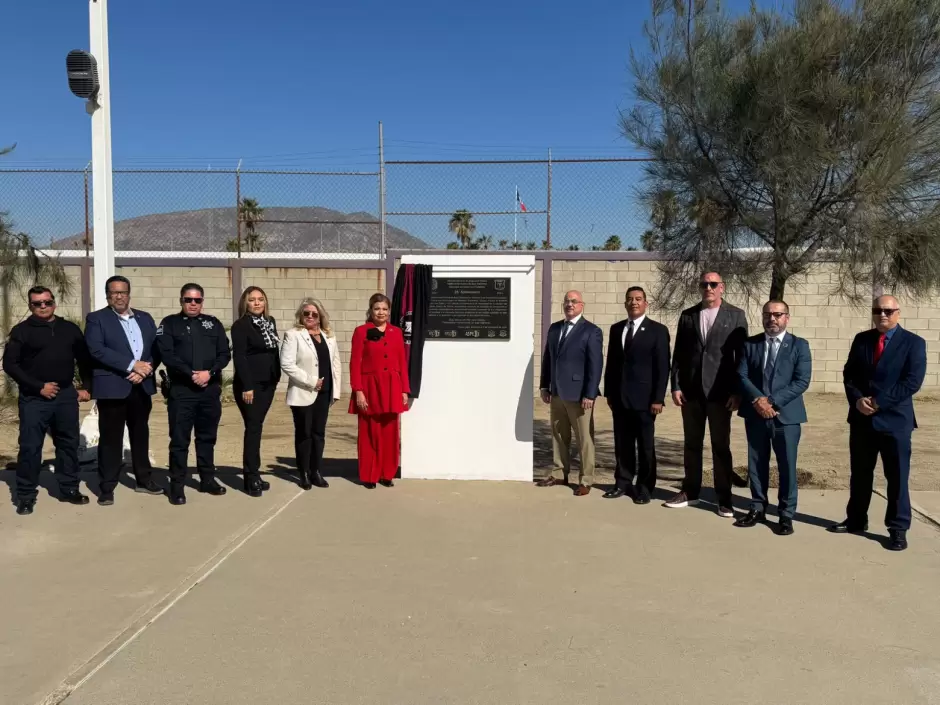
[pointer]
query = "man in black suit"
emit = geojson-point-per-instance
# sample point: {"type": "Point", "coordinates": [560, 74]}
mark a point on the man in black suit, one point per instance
{"type": "Point", "coordinates": [709, 339]}
{"type": "Point", "coordinates": [635, 386]}
{"type": "Point", "coordinates": [885, 369]}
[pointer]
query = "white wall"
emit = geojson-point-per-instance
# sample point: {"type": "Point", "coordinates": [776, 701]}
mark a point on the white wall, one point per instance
{"type": "Point", "coordinates": [473, 420]}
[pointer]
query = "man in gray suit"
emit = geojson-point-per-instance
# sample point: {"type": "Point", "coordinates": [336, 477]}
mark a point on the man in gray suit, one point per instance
{"type": "Point", "coordinates": [570, 382]}
{"type": "Point", "coordinates": [775, 370]}
{"type": "Point", "coordinates": [705, 386]}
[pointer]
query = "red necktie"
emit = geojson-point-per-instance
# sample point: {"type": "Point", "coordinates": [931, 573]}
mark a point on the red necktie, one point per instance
{"type": "Point", "coordinates": [880, 348]}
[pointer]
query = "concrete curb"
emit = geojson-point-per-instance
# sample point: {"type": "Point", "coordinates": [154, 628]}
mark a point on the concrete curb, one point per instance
{"type": "Point", "coordinates": [125, 637]}
{"type": "Point", "coordinates": [922, 513]}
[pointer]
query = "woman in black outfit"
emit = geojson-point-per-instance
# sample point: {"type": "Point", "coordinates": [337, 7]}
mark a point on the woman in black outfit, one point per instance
{"type": "Point", "coordinates": [310, 358]}
{"type": "Point", "coordinates": [257, 372]}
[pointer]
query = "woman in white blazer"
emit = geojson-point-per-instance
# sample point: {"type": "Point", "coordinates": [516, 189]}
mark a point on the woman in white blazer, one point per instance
{"type": "Point", "coordinates": [310, 359]}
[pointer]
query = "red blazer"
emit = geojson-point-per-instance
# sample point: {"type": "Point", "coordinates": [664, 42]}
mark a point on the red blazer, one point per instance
{"type": "Point", "coordinates": [378, 369]}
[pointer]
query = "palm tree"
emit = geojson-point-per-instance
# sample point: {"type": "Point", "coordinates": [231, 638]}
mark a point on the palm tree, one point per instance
{"type": "Point", "coordinates": [504, 244]}
{"type": "Point", "coordinates": [461, 224]}
{"type": "Point", "coordinates": [485, 242]}
{"type": "Point", "coordinates": [531, 246]}
{"type": "Point", "coordinates": [249, 213]}
{"type": "Point", "coordinates": [613, 243]}
{"type": "Point", "coordinates": [574, 248]}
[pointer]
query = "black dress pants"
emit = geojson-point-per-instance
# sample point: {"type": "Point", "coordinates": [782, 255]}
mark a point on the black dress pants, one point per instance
{"type": "Point", "coordinates": [187, 411]}
{"type": "Point", "coordinates": [634, 439]}
{"type": "Point", "coordinates": [310, 433]}
{"type": "Point", "coordinates": [253, 415]}
{"type": "Point", "coordinates": [59, 417]}
{"type": "Point", "coordinates": [113, 414]}
{"type": "Point", "coordinates": [696, 413]}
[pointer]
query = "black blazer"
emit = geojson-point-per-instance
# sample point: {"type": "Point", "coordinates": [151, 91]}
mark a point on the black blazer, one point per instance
{"type": "Point", "coordinates": [637, 379]}
{"type": "Point", "coordinates": [709, 367]}
{"type": "Point", "coordinates": [255, 363]}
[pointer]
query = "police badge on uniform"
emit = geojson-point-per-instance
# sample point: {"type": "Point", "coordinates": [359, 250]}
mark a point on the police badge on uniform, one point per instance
{"type": "Point", "coordinates": [207, 325]}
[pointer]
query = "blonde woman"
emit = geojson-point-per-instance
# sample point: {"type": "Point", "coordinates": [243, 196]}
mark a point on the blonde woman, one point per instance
{"type": "Point", "coordinates": [310, 359]}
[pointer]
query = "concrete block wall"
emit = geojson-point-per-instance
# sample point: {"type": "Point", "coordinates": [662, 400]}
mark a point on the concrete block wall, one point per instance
{"type": "Point", "coordinates": [827, 321]}
{"type": "Point", "coordinates": [344, 293]}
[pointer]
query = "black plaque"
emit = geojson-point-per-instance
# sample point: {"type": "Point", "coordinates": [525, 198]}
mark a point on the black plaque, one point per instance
{"type": "Point", "coordinates": [469, 309]}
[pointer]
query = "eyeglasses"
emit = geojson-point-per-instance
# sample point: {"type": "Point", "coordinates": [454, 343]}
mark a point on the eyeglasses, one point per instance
{"type": "Point", "coordinates": [42, 303]}
{"type": "Point", "coordinates": [774, 314]}
{"type": "Point", "coordinates": [884, 311]}
{"type": "Point", "coordinates": [311, 314]}
{"type": "Point", "coordinates": [573, 302]}
{"type": "Point", "coordinates": [192, 299]}
{"type": "Point", "coordinates": [708, 285]}
{"type": "Point", "coordinates": [119, 293]}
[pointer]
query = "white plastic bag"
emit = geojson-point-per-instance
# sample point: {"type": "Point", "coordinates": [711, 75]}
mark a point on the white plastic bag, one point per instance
{"type": "Point", "coordinates": [88, 442]}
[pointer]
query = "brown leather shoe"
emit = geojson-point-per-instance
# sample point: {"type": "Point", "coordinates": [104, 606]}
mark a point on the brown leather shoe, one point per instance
{"type": "Point", "coordinates": [550, 482]}
{"type": "Point", "coordinates": [582, 490]}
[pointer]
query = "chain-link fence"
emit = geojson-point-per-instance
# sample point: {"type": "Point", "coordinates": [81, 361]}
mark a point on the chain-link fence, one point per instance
{"type": "Point", "coordinates": [501, 204]}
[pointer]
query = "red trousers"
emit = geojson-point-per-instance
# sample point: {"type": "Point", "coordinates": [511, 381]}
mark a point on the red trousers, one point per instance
{"type": "Point", "coordinates": [378, 447]}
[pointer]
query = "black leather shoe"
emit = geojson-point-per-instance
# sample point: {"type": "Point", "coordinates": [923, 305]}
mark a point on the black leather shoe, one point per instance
{"type": "Point", "coordinates": [387, 483]}
{"type": "Point", "coordinates": [212, 487]}
{"type": "Point", "coordinates": [318, 481]}
{"type": "Point", "coordinates": [752, 518]}
{"type": "Point", "coordinates": [177, 499]}
{"type": "Point", "coordinates": [106, 499]}
{"type": "Point", "coordinates": [253, 487]}
{"type": "Point", "coordinates": [614, 493]}
{"type": "Point", "coordinates": [785, 526]}
{"type": "Point", "coordinates": [265, 485]}
{"type": "Point", "coordinates": [897, 540]}
{"type": "Point", "coordinates": [305, 483]}
{"type": "Point", "coordinates": [25, 506]}
{"type": "Point", "coordinates": [150, 488]}
{"type": "Point", "coordinates": [74, 497]}
{"type": "Point", "coordinates": [845, 527]}
{"type": "Point", "coordinates": [369, 485]}
{"type": "Point", "coordinates": [642, 497]}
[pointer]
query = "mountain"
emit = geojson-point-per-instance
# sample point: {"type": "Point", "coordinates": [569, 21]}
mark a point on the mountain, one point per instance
{"type": "Point", "coordinates": [307, 229]}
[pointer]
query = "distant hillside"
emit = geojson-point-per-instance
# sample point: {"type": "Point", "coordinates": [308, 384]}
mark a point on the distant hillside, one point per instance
{"type": "Point", "coordinates": [210, 230]}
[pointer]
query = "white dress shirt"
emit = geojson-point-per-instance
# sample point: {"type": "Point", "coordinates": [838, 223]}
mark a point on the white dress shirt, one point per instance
{"type": "Point", "coordinates": [636, 329]}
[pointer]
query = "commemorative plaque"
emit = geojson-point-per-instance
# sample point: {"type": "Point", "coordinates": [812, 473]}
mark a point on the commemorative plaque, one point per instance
{"type": "Point", "coordinates": [469, 309]}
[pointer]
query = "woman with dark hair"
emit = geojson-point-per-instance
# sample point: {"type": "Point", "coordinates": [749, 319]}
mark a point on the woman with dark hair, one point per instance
{"type": "Point", "coordinates": [257, 372]}
{"type": "Point", "coordinates": [379, 378]}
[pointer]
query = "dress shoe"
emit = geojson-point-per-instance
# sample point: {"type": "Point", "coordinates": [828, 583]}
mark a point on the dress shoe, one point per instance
{"type": "Point", "coordinates": [551, 482]}
{"type": "Point", "coordinates": [681, 500]}
{"type": "Point", "coordinates": [318, 481]}
{"type": "Point", "coordinates": [726, 511]}
{"type": "Point", "coordinates": [737, 480]}
{"type": "Point", "coordinates": [582, 490]}
{"type": "Point", "coordinates": [25, 506]}
{"type": "Point", "coordinates": [150, 488]}
{"type": "Point", "coordinates": [387, 483]}
{"type": "Point", "coordinates": [264, 485]}
{"type": "Point", "coordinates": [752, 518]}
{"type": "Point", "coordinates": [785, 526]}
{"type": "Point", "coordinates": [642, 496]}
{"type": "Point", "coordinates": [74, 497]}
{"type": "Point", "coordinates": [615, 493]}
{"type": "Point", "coordinates": [305, 483]}
{"type": "Point", "coordinates": [369, 485]}
{"type": "Point", "coordinates": [106, 499]}
{"type": "Point", "coordinates": [177, 500]}
{"type": "Point", "coordinates": [846, 527]}
{"type": "Point", "coordinates": [212, 487]}
{"type": "Point", "coordinates": [253, 487]}
{"type": "Point", "coordinates": [897, 540]}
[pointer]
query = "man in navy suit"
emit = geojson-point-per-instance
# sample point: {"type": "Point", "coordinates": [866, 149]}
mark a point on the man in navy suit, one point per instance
{"type": "Point", "coordinates": [885, 369]}
{"type": "Point", "coordinates": [635, 381]}
{"type": "Point", "coordinates": [121, 343]}
{"type": "Point", "coordinates": [570, 382]}
{"type": "Point", "coordinates": [775, 369]}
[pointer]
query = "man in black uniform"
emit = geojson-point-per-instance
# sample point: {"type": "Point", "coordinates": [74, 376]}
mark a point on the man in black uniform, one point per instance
{"type": "Point", "coordinates": [194, 350]}
{"type": "Point", "coordinates": [40, 356]}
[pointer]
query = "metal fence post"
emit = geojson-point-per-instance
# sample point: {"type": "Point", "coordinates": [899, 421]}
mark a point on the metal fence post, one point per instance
{"type": "Point", "coordinates": [548, 206]}
{"type": "Point", "coordinates": [238, 206]}
{"type": "Point", "coordinates": [382, 187]}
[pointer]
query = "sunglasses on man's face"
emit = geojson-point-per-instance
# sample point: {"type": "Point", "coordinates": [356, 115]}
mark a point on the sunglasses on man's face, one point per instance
{"type": "Point", "coordinates": [884, 311]}
{"type": "Point", "coordinates": [42, 303]}
{"type": "Point", "coordinates": [311, 314]}
{"type": "Point", "coordinates": [708, 285]}
{"type": "Point", "coordinates": [192, 299]}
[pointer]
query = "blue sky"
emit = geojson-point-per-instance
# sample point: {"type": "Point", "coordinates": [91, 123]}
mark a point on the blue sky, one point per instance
{"type": "Point", "coordinates": [302, 85]}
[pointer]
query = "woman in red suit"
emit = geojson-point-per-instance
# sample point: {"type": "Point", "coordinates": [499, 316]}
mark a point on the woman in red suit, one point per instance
{"type": "Point", "coordinates": [379, 378]}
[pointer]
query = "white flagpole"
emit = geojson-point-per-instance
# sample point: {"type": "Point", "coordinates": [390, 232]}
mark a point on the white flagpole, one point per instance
{"type": "Point", "coordinates": [515, 218]}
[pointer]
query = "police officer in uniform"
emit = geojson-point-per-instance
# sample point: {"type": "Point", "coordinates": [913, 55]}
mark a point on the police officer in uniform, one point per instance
{"type": "Point", "coordinates": [194, 350]}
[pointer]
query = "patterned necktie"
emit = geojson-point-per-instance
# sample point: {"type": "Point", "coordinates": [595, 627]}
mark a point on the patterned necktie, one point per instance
{"type": "Point", "coordinates": [628, 341]}
{"type": "Point", "coordinates": [564, 331]}
{"type": "Point", "coordinates": [769, 365]}
{"type": "Point", "coordinates": [880, 348]}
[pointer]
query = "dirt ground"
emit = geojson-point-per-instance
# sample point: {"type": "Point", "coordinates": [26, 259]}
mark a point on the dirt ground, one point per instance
{"type": "Point", "coordinates": [823, 461]}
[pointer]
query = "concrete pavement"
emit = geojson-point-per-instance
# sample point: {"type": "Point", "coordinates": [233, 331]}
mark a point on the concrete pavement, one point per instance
{"type": "Point", "coordinates": [446, 592]}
